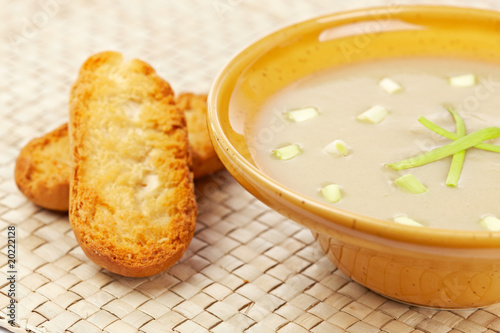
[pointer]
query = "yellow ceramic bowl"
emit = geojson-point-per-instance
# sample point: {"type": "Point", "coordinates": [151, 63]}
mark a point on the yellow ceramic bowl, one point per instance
{"type": "Point", "coordinates": [422, 266]}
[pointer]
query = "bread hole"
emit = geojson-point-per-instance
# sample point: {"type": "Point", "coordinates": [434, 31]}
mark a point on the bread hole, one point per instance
{"type": "Point", "coordinates": [146, 186]}
{"type": "Point", "coordinates": [149, 182]}
{"type": "Point", "coordinates": [132, 110]}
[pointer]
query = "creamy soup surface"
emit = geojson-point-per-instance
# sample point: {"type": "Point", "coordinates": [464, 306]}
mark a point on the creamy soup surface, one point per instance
{"type": "Point", "coordinates": [366, 184]}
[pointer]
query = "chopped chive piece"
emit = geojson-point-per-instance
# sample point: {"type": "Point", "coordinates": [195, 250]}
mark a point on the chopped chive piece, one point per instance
{"type": "Point", "coordinates": [287, 152]}
{"type": "Point", "coordinates": [338, 147]}
{"type": "Point", "coordinates": [490, 223]}
{"type": "Point", "coordinates": [407, 221]}
{"type": "Point", "coordinates": [457, 161]}
{"type": "Point", "coordinates": [452, 136]}
{"type": "Point", "coordinates": [390, 86]}
{"type": "Point", "coordinates": [466, 80]}
{"type": "Point", "coordinates": [456, 146]}
{"type": "Point", "coordinates": [373, 115]}
{"type": "Point", "coordinates": [410, 183]}
{"type": "Point", "coordinates": [331, 193]}
{"type": "Point", "coordinates": [301, 115]}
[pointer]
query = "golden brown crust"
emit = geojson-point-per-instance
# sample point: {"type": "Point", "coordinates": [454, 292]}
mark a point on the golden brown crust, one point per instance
{"type": "Point", "coordinates": [44, 163]}
{"type": "Point", "coordinates": [132, 204]}
{"type": "Point", "coordinates": [42, 170]}
{"type": "Point", "coordinates": [205, 160]}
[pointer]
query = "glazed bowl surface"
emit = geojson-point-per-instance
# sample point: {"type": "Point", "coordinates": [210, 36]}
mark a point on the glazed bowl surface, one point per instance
{"type": "Point", "coordinates": [422, 266]}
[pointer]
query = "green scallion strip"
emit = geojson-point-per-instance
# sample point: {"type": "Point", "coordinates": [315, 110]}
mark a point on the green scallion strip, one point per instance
{"type": "Point", "coordinates": [457, 161]}
{"type": "Point", "coordinates": [451, 148]}
{"type": "Point", "coordinates": [287, 152]}
{"type": "Point", "coordinates": [410, 183]}
{"type": "Point", "coordinates": [437, 129]}
{"type": "Point", "coordinates": [452, 136]}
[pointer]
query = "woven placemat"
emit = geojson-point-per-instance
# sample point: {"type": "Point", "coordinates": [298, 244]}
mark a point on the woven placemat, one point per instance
{"type": "Point", "coordinates": [247, 267]}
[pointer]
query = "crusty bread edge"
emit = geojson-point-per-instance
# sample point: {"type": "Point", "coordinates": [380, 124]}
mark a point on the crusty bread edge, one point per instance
{"type": "Point", "coordinates": [51, 196]}
{"type": "Point", "coordinates": [205, 159]}
{"type": "Point", "coordinates": [106, 259]}
{"type": "Point", "coordinates": [188, 212]}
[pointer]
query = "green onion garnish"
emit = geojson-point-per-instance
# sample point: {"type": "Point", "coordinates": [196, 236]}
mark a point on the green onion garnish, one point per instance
{"type": "Point", "coordinates": [457, 161]}
{"type": "Point", "coordinates": [301, 115]}
{"type": "Point", "coordinates": [373, 115]}
{"type": "Point", "coordinates": [452, 136]}
{"type": "Point", "coordinates": [331, 193]}
{"type": "Point", "coordinates": [390, 86]}
{"type": "Point", "coordinates": [338, 147]}
{"type": "Point", "coordinates": [456, 146]}
{"type": "Point", "coordinates": [407, 221]}
{"type": "Point", "coordinates": [410, 183]}
{"type": "Point", "coordinates": [287, 152]}
{"type": "Point", "coordinates": [490, 223]}
{"type": "Point", "coordinates": [466, 80]}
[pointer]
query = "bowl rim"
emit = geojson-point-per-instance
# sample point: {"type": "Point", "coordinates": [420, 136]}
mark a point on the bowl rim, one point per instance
{"type": "Point", "coordinates": [438, 237]}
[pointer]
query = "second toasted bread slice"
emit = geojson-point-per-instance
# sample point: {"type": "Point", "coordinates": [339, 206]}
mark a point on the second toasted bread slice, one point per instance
{"type": "Point", "coordinates": [42, 167]}
{"type": "Point", "coordinates": [205, 160]}
{"type": "Point", "coordinates": [132, 203]}
{"type": "Point", "coordinates": [42, 170]}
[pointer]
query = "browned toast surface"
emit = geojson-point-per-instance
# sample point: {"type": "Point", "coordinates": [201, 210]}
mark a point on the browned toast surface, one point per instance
{"type": "Point", "coordinates": [42, 170]}
{"type": "Point", "coordinates": [132, 204]}
{"type": "Point", "coordinates": [205, 160]}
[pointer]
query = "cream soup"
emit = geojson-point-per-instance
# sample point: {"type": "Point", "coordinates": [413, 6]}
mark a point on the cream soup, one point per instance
{"type": "Point", "coordinates": [366, 184]}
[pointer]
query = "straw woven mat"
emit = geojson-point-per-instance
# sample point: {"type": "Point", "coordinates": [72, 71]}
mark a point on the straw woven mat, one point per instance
{"type": "Point", "coordinates": [247, 268]}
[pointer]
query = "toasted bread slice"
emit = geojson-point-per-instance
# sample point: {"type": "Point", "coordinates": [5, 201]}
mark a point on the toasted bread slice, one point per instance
{"type": "Point", "coordinates": [132, 204]}
{"type": "Point", "coordinates": [42, 169]}
{"type": "Point", "coordinates": [205, 160]}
